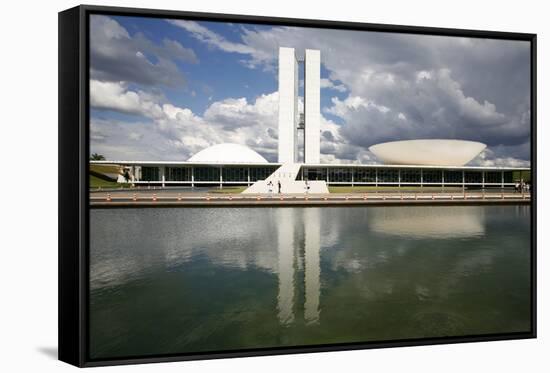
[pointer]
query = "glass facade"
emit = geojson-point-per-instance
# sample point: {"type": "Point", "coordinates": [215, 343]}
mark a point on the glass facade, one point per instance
{"type": "Point", "coordinates": [472, 177]}
{"type": "Point", "coordinates": [206, 173]}
{"type": "Point", "coordinates": [364, 175]}
{"type": "Point", "coordinates": [386, 175]}
{"type": "Point", "coordinates": [178, 173]}
{"type": "Point", "coordinates": [333, 175]}
{"type": "Point", "coordinates": [410, 176]}
{"type": "Point", "coordinates": [493, 177]}
{"type": "Point", "coordinates": [508, 176]}
{"type": "Point", "coordinates": [261, 173]}
{"type": "Point", "coordinates": [432, 176]}
{"type": "Point", "coordinates": [339, 175]}
{"type": "Point", "coordinates": [452, 177]}
{"type": "Point", "coordinates": [319, 173]}
{"type": "Point", "coordinates": [150, 174]}
{"type": "Point", "coordinates": [235, 174]}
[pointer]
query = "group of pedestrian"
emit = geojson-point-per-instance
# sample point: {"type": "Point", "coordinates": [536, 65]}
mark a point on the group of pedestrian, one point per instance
{"type": "Point", "coordinates": [522, 186]}
{"type": "Point", "coordinates": [270, 186]}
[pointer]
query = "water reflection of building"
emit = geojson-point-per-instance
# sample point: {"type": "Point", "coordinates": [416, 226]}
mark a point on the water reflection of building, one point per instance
{"type": "Point", "coordinates": [312, 232]}
{"type": "Point", "coordinates": [285, 244]}
{"type": "Point", "coordinates": [429, 221]}
{"type": "Point", "coordinates": [288, 231]}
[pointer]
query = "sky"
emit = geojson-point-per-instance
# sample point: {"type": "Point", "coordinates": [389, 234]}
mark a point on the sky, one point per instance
{"type": "Point", "coordinates": [164, 89]}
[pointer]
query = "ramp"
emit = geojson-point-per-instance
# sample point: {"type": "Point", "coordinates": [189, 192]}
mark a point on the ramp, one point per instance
{"type": "Point", "coordinates": [286, 176]}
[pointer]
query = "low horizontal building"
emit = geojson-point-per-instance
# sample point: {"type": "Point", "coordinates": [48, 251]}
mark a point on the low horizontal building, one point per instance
{"type": "Point", "coordinates": [217, 174]}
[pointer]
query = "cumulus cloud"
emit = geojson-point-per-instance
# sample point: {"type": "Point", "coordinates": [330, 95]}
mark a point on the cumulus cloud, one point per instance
{"type": "Point", "coordinates": [327, 83]}
{"type": "Point", "coordinates": [234, 113]}
{"type": "Point", "coordinates": [204, 34]}
{"type": "Point", "coordinates": [435, 107]}
{"type": "Point", "coordinates": [131, 140]}
{"type": "Point", "coordinates": [136, 136]}
{"type": "Point", "coordinates": [96, 135]}
{"type": "Point", "coordinates": [117, 97]}
{"type": "Point", "coordinates": [115, 55]}
{"type": "Point", "coordinates": [183, 132]}
{"type": "Point", "coordinates": [488, 159]}
{"type": "Point", "coordinates": [260, 56]}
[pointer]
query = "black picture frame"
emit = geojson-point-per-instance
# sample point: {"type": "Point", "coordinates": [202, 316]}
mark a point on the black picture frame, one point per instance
{"type": "Point", "coordinates": [73, 251]}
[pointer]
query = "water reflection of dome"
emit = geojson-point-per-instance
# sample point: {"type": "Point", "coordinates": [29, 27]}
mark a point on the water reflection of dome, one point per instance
{"type": "Point", "coordinates": [227, 153]}
{"type": "Point", "coordinates": [429, 222]}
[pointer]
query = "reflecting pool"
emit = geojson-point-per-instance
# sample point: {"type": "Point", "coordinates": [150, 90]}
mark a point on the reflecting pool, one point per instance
{"type": "Point", "coordinates": [179, 280]}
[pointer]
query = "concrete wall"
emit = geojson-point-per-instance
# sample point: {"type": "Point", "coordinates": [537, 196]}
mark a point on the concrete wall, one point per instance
{"type": "Point", "coordinates": [312, 106]}
{"type": "Point", "coordinates": [288, 104]}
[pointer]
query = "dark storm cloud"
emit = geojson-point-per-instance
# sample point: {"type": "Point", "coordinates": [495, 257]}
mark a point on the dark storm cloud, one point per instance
{"type": "Point", "coordinates": [494, 70]}
{"type": "Point", "coordinates": [464, 89]}
{"type": "Point", "coordinates": [272, 133]}
{"type": "Point", "coordinates": [117, 56]}
{"type": "Point", "coordinates": [327, 135]}
{"type": "Point", "coordinates": [432, 107]}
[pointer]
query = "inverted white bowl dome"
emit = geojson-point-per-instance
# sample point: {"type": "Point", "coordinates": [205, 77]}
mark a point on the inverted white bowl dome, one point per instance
{"type": "Point", "coordinates": [227, 153]}
{"type": "Point", "coordinates": [429, 152]}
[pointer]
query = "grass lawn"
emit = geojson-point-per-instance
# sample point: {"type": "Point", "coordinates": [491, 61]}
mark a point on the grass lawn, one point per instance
{"type": "Point", "coordinates": [105, 168]}
{"type": "Point", "coordinates": [366, 189]}
{"type": "Point", "coordinates": [229, 190]}
{"type": "Point", "coordinates": [96, 182]}
{"type": "Point", "coordinates": [525, 175]}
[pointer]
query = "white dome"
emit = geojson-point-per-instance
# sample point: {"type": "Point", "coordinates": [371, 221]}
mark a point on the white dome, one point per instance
{"type": "Point", "coordinates": [431, 152]}
{"type": "Point", "coordinates": [227, 153]}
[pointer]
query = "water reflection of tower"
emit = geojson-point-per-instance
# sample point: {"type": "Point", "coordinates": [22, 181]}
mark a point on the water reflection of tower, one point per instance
{"type": "Point", "coordinates": [312, 232]}
{"type": "Point", "coordinates": [285, 243]}
{"type": "Point", "coordinates": [289, 222]}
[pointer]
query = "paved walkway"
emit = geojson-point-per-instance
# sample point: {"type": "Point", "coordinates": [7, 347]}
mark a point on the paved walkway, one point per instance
{"type": "Point", "coordinates": [170, 198]}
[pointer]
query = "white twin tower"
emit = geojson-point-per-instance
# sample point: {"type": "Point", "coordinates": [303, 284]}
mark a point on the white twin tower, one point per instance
{"type": "Point", "coordinates": [283, 180]}
{"type": "Point", "coordinates": [290, 119]}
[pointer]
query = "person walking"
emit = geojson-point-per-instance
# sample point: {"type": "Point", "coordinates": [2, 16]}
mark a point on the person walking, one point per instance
{"type": "Point", "coordinates": [270, 186]}
{"type": "Point", "coordinates": [279, 185]}
{"type": "Point", "coordinates": [521, 186]}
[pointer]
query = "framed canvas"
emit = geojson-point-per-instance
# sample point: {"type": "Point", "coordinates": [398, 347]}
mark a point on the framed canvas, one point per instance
{"type": "Point", "coordinates": [235, 186]}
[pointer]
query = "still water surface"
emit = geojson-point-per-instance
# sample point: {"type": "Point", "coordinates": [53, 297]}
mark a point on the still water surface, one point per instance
{"type": "Point", "coordinates": [203, 279]}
